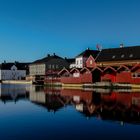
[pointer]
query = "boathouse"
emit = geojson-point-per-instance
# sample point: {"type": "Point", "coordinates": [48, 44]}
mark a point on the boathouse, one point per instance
{"type": "Point", "coordinates": [120, 65]}
{"type": "Point", "coordinates": [116, 65]}
{"type": "Point", "coordinates": [80, 76]}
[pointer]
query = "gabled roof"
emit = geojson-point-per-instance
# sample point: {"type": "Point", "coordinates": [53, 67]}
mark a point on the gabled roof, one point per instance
{"type": "Point", "coordinates": [122, 67]}
{"type": "Point", "coordinates": [97, 68]}
{"type": "Point", "coordinates": [85, 68]}
{"type": "Point", "coordinates": [119, 54]}
{"type": "Point", "coordinates": [135, 67]}
{"type": "Point", "coordinates": [20, 66]}
{"type": "Point", "coordinates": [63, 70]}
{"type": "Point", "coordinates": [47, 58]}
{"type": "Point", "coordinates": [110, 68]}
{"type": "Point", "coordinates": [89, 52]}
{"type": "Point", "coordinates": [70, 60]}
{"type": "Point", "coordinates": [6, 66]}
{"type": "Point", "coordinates": [75, 69]}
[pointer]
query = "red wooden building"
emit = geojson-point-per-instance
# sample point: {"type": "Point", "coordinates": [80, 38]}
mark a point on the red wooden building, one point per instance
{"type": "Point", "coordinates": [90, 63]}
{"type": "Point", "coordinates": [117, 65]}
{"type": "Point", "coordinates": [120, 65]}
{"type": "Point", "coordinates": [75, 76]}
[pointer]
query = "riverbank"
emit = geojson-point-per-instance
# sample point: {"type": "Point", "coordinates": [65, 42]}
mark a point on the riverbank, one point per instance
{"type": "Point", "coordinates": [16, 82]}
{"type": "Point", "coordinates": [103, 85]}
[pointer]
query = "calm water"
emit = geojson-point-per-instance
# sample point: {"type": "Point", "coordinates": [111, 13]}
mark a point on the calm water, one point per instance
{"type": "Point", "coordinates": [29, 112]}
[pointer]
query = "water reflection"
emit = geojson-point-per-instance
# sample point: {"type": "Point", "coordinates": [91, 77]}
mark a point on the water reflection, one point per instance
{"type": "Point", "coordinates": [115, 106]}
{"type": "Point", "coordinates": [51, 100]}
{"type": "Point", "coordinates": [13, 93]}
{"type": "Point", "coordinates": [108, 105]}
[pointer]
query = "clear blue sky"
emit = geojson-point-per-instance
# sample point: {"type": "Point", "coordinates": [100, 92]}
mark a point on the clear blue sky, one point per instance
{"type": "Point", "coordinates": [30, 29]}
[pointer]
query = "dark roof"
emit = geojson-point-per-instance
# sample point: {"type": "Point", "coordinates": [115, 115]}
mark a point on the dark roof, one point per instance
{"type": "Point", "coordinates": [119, 54]}
{"type": "Point", "coordinates": [70, 60]}
{"type": "Point", "coordinates": [47, 58]}
{"type": "Point", "coordinates": [6, 66]}
{"type": "Point", "coordinates": [20, 66]}
{"type": "Point", "coordinates": [89, 52]}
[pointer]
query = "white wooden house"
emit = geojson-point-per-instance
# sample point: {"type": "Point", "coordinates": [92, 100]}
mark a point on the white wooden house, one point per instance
{"type": "Point", "coordinates": [80, 60]}
{"type": "Point", "coordinates": [13, 71]}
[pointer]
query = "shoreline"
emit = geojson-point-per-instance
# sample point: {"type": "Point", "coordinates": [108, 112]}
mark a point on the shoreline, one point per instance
{"type": "Point", "coordinates": [102, 85]}
{"type": "Point", "coordinates": [16, 82]}
{"type": "Point", "coordinates": [89, 86]}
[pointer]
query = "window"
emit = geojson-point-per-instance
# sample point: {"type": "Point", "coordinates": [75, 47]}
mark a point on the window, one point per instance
{"type": "Point", "coordinates": [49, 66]}
{"type": "Point", "coordinates": [91, 62]}
{"type": "Point", "coordinates": [127, 70]}
{"type": "Point", "coordinates": [80, 61]}
{"type": "Point", "coordinates": [53, 66]}
{"type": "Point", "coordinates": [76, 74]}
{"type": "Point", "coordinates": [77, 62]}
{"type": "Point", "coordinates": [122, 56]}
{"type": "Point", "coordinates": [131, 55]}
{"type": "Point", "coordinates": [113, 56]}
{"type": "Point", "coordinates": [57, 67]}
{"type": "Point", "coordinates": [136, 75]}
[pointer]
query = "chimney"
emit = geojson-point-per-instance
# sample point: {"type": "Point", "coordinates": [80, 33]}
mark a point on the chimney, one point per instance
{"type": "Point", "coordinates": [53, 54]}
{"type": "Point", "coordinates": [48, 55]}
{"type": "Point", "coordinates": [121, 45]}
{"type": "Point", "coordinates": [4, 61]}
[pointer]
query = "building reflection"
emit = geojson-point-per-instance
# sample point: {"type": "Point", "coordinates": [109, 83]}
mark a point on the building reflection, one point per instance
{"type": "Point", "coordinates": [50, 99]}
{"type": "Point", "coordinates": [13, 93]}
{"type": "Point", "coordinates": [122, 107]}
{"type": "Point", "coordinates": [119, 106]}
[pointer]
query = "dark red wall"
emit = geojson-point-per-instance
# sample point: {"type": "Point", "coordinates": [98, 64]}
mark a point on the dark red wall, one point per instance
{"type": "Point", "coordinates": [126, 77]}
{"type": "Point", "coordinates": [88, 65]}
{"type": "Point", "coordinates": [113, 76]}
{"type": "Point", "coordinates": [86, 78]}
{"type": "Point", "coordinates": [109, 76]}
{"type": "Point", "coordinates": [123, 77]}
{"type": "Point", "coordinates": [70, 80]}
{"type": "Point", "coordinates": [52, 80]}
{"type": "Point", "coordinates": [83, 78]}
